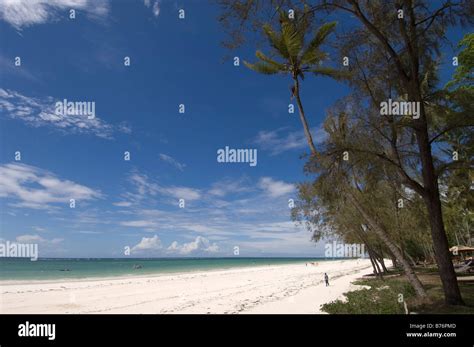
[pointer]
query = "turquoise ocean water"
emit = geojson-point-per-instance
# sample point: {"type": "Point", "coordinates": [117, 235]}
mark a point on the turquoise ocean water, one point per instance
{"type": "Point", "coordinates": [51, 269]}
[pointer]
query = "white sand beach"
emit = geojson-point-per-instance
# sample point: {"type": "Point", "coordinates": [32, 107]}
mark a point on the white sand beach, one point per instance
{"type": "Point", "coordinates": [295, 288]}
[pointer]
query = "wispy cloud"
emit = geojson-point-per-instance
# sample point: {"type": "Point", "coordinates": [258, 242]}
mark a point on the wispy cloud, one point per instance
{"type": "Point", "coordinates": [39, 112]}
{"type": "Point", "coordinates": [230, 186]}
{"type": "Point", "coordinates": [252, 214]}
{"type": "Point", "coordinates": [122, 204]}
{"type": "Point", "coordinates": [275, 188]}
{"type": "Point", "coordinates": [280, 140]}
{"type": "Point", "coordinates": [146, 188]}
{"type": "Point", "coordinates": [170, 160]}
{"type": "Point", "coordinates": [24, 13]}
{"type": "Point", "coordinates": [35, 188]}
{"type": "Point", "coordinates": [7, 66]}
{"type": "Point", "coordinates": [189, 194]}
{"type": "Point", "coordinates": [27, 238]}
{"type": "Point", "coordinates": [253, 211]}
{"type": "Point", "coordinates": [150, 225]}
{"type": "Point", "coordinates": [155, 8]}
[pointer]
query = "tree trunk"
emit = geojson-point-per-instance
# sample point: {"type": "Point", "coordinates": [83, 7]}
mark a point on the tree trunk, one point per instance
{"type": "Point", "coordinates": [382, 262]}
{"type": "Point", "coordinates": [394, 262]}
{"type": "Point", "coordinates": [410, 258]}
{"type": "Point", "coordinates": [378, 267]}
{"type": "Point", "coordinates": [373, 264]}
{"type": "Point", "coordinates": [379, 230]}
{"type": "Point", "coordinates": [452, 294]}
{"type": "Point", "coordinates": [379, 257]}
{"type": "Point", "coordinates": [411, 83]}
{"type": "Point", "coordinates": [373, 259]}
{"type": "Point", "coordinates": [441, 248]}
{"type": "Point", "coordinates": [307, 131]}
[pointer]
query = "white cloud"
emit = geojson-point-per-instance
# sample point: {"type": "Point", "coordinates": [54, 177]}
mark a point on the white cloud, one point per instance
{"type": "Point", "coordinates": [37, 239]}
{"type": "Point", "coordinates": [146, 188]}
{"type": "Point", "coordinates": [7, 65]}
{"type": "Point", "coordinates": [277, 142]}
{"type": "Point", "coordinates": [229, 186]}
{"type": "Point", "coordinates": [148, 244]}
{"type": "Point", "coordinates": [156, 8]}
{"type": "Point", "coordinates": [88, 232]}
{"type": "Point", "coordinates": [29, 238]}
{"type": "Point", "coordinates": [38, 189]}
{"type": "Point", "coordinates": [203, 229]}
{"type": "Point", "coordinates": [258, 220]}
{"type": "Point", "coordinates": [186, 193]}
{"type": "Point", "coordinates": [39, 112]}
{"type": "Point", "coordinates": [122, 204]}
{"type": "Point", "coordinates": [24, 13]}
{"type": "Point", "coordinates": [275, 188]}
{"type": "Point", "coordinates": [170, 160]}
{"type": "Point", "coordinates": [124, 127]}
{"type": "Point", "coordinates": [141, 223]}
{"type": "Point", "coordinates": [199, 245]}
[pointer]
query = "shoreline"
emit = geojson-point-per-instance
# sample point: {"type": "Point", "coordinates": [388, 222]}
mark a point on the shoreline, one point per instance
{"type": "Point", "coordinates": [139, 273]}
{"type": "Point", "coordinates": [132, 276]}
{"type": "Point", "coordinates": [147, 273]}
{"type": "Point", "coordinates": [276, 288]}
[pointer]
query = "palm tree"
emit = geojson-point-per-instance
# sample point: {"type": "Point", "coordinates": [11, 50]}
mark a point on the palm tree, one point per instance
{"type": "Point", "coordinates": [298, 58]}
{"type": "Point", "coordinates": [288, 43]}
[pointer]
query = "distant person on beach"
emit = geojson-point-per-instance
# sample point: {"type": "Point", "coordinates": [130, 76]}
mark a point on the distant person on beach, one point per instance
{"type": "Point", "coordinates": [326, 279]}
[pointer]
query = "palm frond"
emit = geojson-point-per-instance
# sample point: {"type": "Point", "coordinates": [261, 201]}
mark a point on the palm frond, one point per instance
{"type": "Point", "coordinates": [276, 40]}
{"type": "Point", "coordinates": [293, 38]}
{"type": "Point", "coordinates": [260, 55]}
{"type": "Point", "coordinates": [318, 39]}
{"type": "Point", "coordinates": [329, 72]}
{"type": "Point", "coordinates": [313, 57]}
{"type": "Point", "coordinates": [263, 68]}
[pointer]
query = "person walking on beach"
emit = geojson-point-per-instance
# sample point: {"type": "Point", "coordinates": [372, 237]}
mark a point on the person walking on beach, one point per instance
{"type": "Point", "coordinates": [326, 279]}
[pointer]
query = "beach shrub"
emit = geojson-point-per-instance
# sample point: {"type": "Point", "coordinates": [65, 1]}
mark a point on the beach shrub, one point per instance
{"type": "Point", "coordinates": [383, 297]}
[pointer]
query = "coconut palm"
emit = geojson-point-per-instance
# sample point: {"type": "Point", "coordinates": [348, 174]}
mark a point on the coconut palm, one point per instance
{"type": "Point", "coordinates": [298, 58]}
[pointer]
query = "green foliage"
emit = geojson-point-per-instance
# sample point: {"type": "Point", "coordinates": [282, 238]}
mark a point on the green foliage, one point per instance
{"type": "Point", "coordinates": [310, 54]}
{"type": "Point", "coordinates": [381, 298]}
{"type": "Point", "coordinates": [458, 207]}
{"type": "Point", "coordinates": [464, 75]}
{"type": "Point", "coordinates": [288, 43]}
{"type": "Point", "coordinates": [263, 68]}
{"type": "Point", "coordinates": [388, 160]}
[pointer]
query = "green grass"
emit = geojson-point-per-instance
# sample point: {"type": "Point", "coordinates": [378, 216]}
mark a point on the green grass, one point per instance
{"type": "Point", "coordinates": [383, 296]}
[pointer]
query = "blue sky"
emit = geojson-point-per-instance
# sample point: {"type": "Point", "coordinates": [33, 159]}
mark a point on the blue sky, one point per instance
{"type": "Point", "coordinates": [173, 156]}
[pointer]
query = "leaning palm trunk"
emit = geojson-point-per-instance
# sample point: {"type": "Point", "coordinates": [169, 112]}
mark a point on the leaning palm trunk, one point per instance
{"type": "Point", "coordinates": [306, 129]}
{"type": "Point", "coordinates": [298, 58]}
